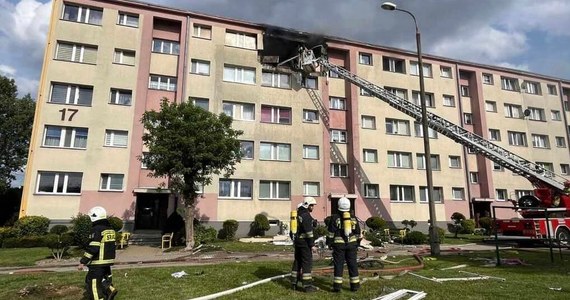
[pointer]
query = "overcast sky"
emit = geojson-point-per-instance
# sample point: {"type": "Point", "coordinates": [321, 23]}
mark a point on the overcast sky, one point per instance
{"type": "Point", "coordinates": [523, 34]}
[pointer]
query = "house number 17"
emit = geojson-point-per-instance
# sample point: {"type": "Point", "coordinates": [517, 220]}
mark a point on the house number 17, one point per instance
{"type": "Point", "coordinates": [65, 110]}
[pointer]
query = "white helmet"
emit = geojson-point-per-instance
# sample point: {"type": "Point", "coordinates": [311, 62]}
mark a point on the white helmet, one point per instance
{"type": "Point", "coordinates": [97, 213]}
{"type": "Point", "coordinates": [299, 205]}
{"type": "Point", "coordinates": [343, 204]}
{"type": "Point", "coordinates": [309, 201]}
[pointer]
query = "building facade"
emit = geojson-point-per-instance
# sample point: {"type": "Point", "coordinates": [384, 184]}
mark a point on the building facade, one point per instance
{"type": "Point", "coordinates": [106, 62]}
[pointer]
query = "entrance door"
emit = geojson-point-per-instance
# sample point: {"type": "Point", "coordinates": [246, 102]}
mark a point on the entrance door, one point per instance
{"type": "Point", "coordinates": [151, 211]}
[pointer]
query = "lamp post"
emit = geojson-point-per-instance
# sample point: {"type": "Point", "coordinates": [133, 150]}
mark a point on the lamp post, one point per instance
{"type": "Point", "coordinates": [433, 234]}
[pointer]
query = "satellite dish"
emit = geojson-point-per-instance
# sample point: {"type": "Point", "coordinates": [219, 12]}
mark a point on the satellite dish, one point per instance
{"type": "Point", "coordinates": [526, 112]}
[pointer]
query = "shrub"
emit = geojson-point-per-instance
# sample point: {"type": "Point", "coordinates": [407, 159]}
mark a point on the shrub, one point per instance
{"type": "Point", "coordinates": [58, 244]}
{"type": "Point", "coordinates": [376, 223]}
{"type": "Point", "coordinates": [30, 241]}
{"type": "Point", "coordinates": [259, 225]}
{"type": "Point", "coordinates": [6, 232]}
{"type": "Point", "coordinates": [441, 234]}
{"type": "Point", "coordinates": [31, 225]}
{"type": "Point", "coordinates": [487, 223]}
{"type": "Point", "coordinates": [228, 231]}
{"type": "Point", "coordinates": [116, 223]}
{"type": "Point", "coordinates": [204, 235]}
{"type": "Point", "coordinates": [457, 218]}
{"type": "Point", "coordinates": [468, 226]}
{"type": "Point", "coordinates": [81, 227]}
{"type": "Point", "coordinates": [319, 231]}
{"type": "Point", "coordinates": [375, 237]}
{"type": "Point", "coordinates": [415, 238]}
{"type": "Point", "coordinates": [59, 229]}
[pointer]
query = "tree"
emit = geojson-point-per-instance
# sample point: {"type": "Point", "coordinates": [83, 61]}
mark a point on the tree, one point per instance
{"type": "Point", "coordinates": [457, 219]}
{"type": "Point", "coordinates": [16, 120]}
{"type": "Point", "coordinates": [188, 145]}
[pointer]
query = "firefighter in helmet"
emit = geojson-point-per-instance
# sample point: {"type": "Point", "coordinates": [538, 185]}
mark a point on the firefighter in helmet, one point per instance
{"type": "Point", "coordinates": [99, 256]}
{"type": "Point", "coordinates": [343, 237]}
{"type": "Point", "coordinates": [303, 240]}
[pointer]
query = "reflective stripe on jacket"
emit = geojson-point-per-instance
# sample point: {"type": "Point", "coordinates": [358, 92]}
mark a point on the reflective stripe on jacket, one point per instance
{"type": "Point", "coordinates": [101, 248]}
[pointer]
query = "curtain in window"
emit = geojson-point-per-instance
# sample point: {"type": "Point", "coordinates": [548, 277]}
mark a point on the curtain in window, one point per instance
{"type": "Point", "coordinates": [225, 188]}
{"type": "Point", "coordinates": [285, 116]}
{"type": "Point", "coordinates": [58, 93]}
{"type": "Point", "coordinates": [120, 138]}
{"type": "Point", "coordinates": [264, 189]}
{"type": "Point", "coordinates": [128, 57]}
{"type": "Point", "coordinates": [284, 188]}
{"type": "Point", "coordinates": [284, 152]}
{"type": "Point", "coordinates": [248, 112]}
{"type": "Point", "coordinates": [231, 39]}
{"type": "Point", "coordinates": [265, 151]}
{"type": "Point", "coordinates": [95, 16]}
{"type": "Point", "coordinates": [53, 136]}
{"type": "Point", "coordinates": [74, 182]}
{"type": "Point", "coordinates": [85, 96]}
{"type": "Point", "coordinates": [90, 55]}
{"type": "Point", "coordinates": [125, 98]}
{"type": "Point", "coordinates": [267, 79]}
{"type": "Point", "coordinates": [266, 113]}
{"type": "Point", "coordinates": [249, 42]}
{"type": "Point", "coordinates": [116, 182]}
{"type": "Point", "coordinates": [46, 182]}
{"type": "Point", "coordinates": [248, 76]}
{"type": "Point", "coordinates": [245, 189]}
{"type": "Point", "coordinates": [80, 138]}
{"type": "Point", "coordinates": [64, 51]}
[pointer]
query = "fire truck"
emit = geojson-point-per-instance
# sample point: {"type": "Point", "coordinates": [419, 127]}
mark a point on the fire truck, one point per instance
{"type": "Point", "coordinates": [546, 213]}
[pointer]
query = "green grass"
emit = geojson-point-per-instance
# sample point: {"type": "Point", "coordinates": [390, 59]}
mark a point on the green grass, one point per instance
{"type": "Point", "coordinates": [235, 246]}
{"type": "Point", "coordinates": [463, 239]}
{"type": "Point", "coordinates": [14, 257]}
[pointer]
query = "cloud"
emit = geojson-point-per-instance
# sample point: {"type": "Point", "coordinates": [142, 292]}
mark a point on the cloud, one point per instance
{"type": "Point", "coordinates": [7, 70]}
{"type": "Point", "coordinates": [550, 17]}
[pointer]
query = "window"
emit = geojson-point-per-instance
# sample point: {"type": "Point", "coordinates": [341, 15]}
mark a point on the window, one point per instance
{"type": "Point", "coordinates": [71, 94]}
{"type": "Point", "coordinates": [402, 93]}
{"type": "Point", "coordinates": [143, 164]}
{"type": "Point", "coordinates": [458, 193]}
{"type": "Point", "coordinates": [201, 67]}
{"type": "Point", "coordinates": [159, 82]}
{"type": "Point", "coordinates": [275, 151]}
{"type": "Point", "coordinates": [395, 65]}
{"type": "Point", "coordinates": [497, 167]}
{"type": "Point", "coordinates": [246, 149]}
{"type": "Point", "coordinates": [560, 142]}
{"type": "Point", "coordinates": [235, 188]}
{"type": "Point", "coordinates": [487, 78]}
{"type": "Point", "coordinates": [241, 40]}
{"type": "Point", "coordinates": [364, 92]}
{"type": "Point", "coordinates": [468, 118]}
{"type": "Point", "coordinates": [432, 134]}
{"type": "Point", "coordinates": [370, 155]}
{"type": "Point", "coordinates": [398, 127]}
{"type": "Point", "coordinates": [521, 193]}
{"type": "Point", "coordinates": [65, 137]}
{"type": "Point", "coordinates": [274, 189]}
{"type": "Point", "coordinates": [239, 111]}
{"type": "Point", "coordinates": [428, 99]}
{"type": "Point", "coordinates": [564, 169]}
{"type": "Point", "coordinates": [414, 69]}
{"type": "Point", "coordinates": [465, 91]}
{"type": "Point", "coordinates": [448, 100]}
{"type": "Point", "coordinates": [278, 80]}
{"type": "Point", "coordinates": [311, 188]}
{"type": "Point", "coordinates": [454, 162]}
{"type": "Point", "coordinates": [501, 194]}
{"type": "Point", "coordinates": [310, 116]}
{"type": "Point", "coordinates": [338, 136]}
{"type": "Point", "coordinates": [545, 165]}
{"type": "Point", "coordinates": [474, 177]}
{"type": "Point", "coordinates": [365, 59]}
{"type": "Point", "coordinates": [491, 106]}
{"type": "Point", "coordinates": [401, 193]}
{"type": "Point", "coordinates": [421, 161]}
{"type": "Point", "coordinates": [274, 114]}
{"type": "Point", "coordinates": [121, 97]}
{"type": "Point", "coordinates": [536, 114]}
{"type": "Point", "coordinates": [555, 115]}
{"type": "Point", "coordinates": [540, 141]}
{"type": "Point", "coordinates": [339, 170]}
{"type": "Point", "coordinates": [116, 138]}
{"type": "Point", "coordinates": [566, 105]}
{"type": "Point", "coordinates": [494, 135]}
{"type": "Point", "coordinates": [517, 138]}
{"type": "Point", "coordinates": [552, 89]}
{"type": "Point", "coordinates": [82, 14]}
{"type": "Point", "coordinates": [204, 103]}
{"type": "Point", "coordinates": [165, 46]}
{"type": "Point", "coordinates": [513, 111]}
{"type": "Point", "coordinates": [239, 74]}
{"type": "Point", "coordinates": [202, 31]}
{"type": "Point", "coordinates": [111, 182]}
{"type": "Point", "coordinates": [337, 103]}
{"type": "Point", "coordinates": [371, 190]}
{"type": "Point", "coordinates": [126, 19]}
{"type": "Point", "coordinates": [333, 74]}
{"type": "Point", "coordinates": [76, 53]}
{"type": "Point", "coordinates": [310, 152]}
{"type": "Point", "coordinates": [368, 122]}
{"type": "Point", "coordinates": [445, 72]}
{"type": "Point", "coordinates": [437, 194]}
{"type": "Point", "coordinates": [59, 183]}
{"type": "Point", "coordinates": [399, 160]}
{"type": "Point", "coordinates": [532, 87]}
{"type": "Point", "coordinates": [310, 83]}
{"type": "Point", "coordinates": [509, 84]}
{"type": "Point", "coordinates": [124, 57]}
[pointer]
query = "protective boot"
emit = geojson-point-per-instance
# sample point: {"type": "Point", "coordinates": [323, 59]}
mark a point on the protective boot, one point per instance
{"type": "Point", "coordinates": [354, 287]}
{"type": "Point", "coordinates": [337, 287]}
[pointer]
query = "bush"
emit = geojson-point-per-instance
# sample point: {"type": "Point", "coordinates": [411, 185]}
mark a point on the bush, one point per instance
{"type": "Point", "coordinates": [59, 229]}
{"type": "Point", "coordinates": [321, 230]}
{"type": "Point", "coordinates": [81, 227]}
{"type": "Point", "coordinates": [259, 225]}
{"type": "Point", "coordinates": [375, 237]}
{"type": "Point", "coordinates": [6, 232]}
{"type": "Point", "coordinates": [376, 223]}
{"type": "Point", "coordinates": [228, 231]}
{"type": "Point", "coordinates": [487, 223]}
{"type": "Point", "coordinates": [457, 218]}
{"type": "Point", "coordinates": [441, 234]}
{"type": "Point", "coordinates": [415, 238]}
{"type": "Point", "coordinates": [31, 225]}
{"type": "Point", "coordinates": [204, 235]}
{"type": "Point", "coordinates": [116, 223]}
{"type": "Point", "coordinates": [468, 226]}
{"type": "Point", "coordinates": [30, 241]}
{"type": "Point", "coordinates": [58, 244]}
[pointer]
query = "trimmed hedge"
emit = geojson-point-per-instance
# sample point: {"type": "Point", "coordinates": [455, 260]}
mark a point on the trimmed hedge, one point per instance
{"type": "Point", "coordinates": [376, 223]}
{"type": "Point", "coordinates": [415, 238]}
{"type": "Point", "coordinates": [229, 229]}
{"type": "Point", "coordinates": [259, 225]}
{"type": "Point", "coordinates": [31, 225]}
{"type": "Point", "coordinates": [468, 226]}
{"type": "Point", "coordinates": [81, 227]}
{"type": "Point", "coordinates": [59, 229]}
{"type": "Point", "coordinates": [116, 223]}
{"type": "Point", "coordinates": [31, 241]}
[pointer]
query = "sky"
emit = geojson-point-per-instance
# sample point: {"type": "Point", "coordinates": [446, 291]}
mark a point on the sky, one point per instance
{"type": "Point", "coordinates": [528, 35]}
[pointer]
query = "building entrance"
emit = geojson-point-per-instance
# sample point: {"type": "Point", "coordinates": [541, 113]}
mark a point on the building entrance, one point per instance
{"type": "Point", "coordinates": [151, 211]}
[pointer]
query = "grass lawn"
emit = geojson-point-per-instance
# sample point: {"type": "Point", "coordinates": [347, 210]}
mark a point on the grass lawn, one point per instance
{"type": "Point", "coordinates": [462, 239]}
{"type": "Point", "coordinates": [236, 246]}
{"type": "Point", "coordinates": [522, 281]}
{"type": "Point", "coordinates": [14, 257]}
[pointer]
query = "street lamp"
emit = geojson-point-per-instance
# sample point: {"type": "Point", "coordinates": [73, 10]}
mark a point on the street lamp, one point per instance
{"type": "Point", "coordinates": [433, 234]}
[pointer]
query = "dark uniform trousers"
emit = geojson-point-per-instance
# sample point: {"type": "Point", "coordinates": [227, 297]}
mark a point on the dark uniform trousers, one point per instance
{"type": "Point", "coordinates": [345, 253]}
{"type": "Point", "coordinates": [304, 265]}
{"type": "Point", "coordinates": [99, 282]}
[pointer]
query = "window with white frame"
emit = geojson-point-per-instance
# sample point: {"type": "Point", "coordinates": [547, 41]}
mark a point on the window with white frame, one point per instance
{"type": "Point", "coordinates": [532, 87]}
{"type": "Point", "coordinates": [509, 84]}
{"type": "Point", "coordinates": [437, 194]}
{"type": "Point", "coordinates": [536, 114]}
{"type": "Point", "coordinates": [371, 190]}
{"type": "Point", "coordinates": [246, 149]}
{"type": "Point", "coordinates": [337, 103]}
{"type": "Point", "coordinates": [202, 31]}
{"type": "Point", "coordinates": [465, 91]}
{"type": "Point", "coordinates": [540, 141]}
{"type": "Point", "coordinates": [370, 155]}
{"type": "Point", "coordinates": [235, 188]}
{"type": "Point", "coordinates": [49, 182]}
{"type": "Point", "coordinates": [497, 167]}
{"type": "Point", "coordinates": [201, 67]}
{"type": "Point", "coordinates": [421, 161]}
{"type": "Point", "coordinates": [76, 53]}
{"type": "Point", "coordinates": [116, 138]}
{"type": "Point", "coordinates": [121, 97]}
{"type": "Point", "coordinates": [398, 127]}
{"type": "Point", "coordinates": [365, 58]}
{"type": "Point", "coordinates": [468, 118]}
{"type": "Point", "coordinates": [445, 72]}
{"type": "Point", "coordinates": [395, 65]}
{"type": "Point", "coordinates": [364, 92]}
{"type": "Point", "coordinates": [275, 114]}
{"type": "Point", "coordinates": [111, 182]}
{"type": "Point", "coordinates": [241, 40]}
{"type": "Point", "coordinates": [339, 170]}
{"type": "Point", "coordinates": [555, 115]}
{"type": "Point", "coordinates": [419, 129]}
{"type": "Point", "coordinates": [368, 122]}
{"type": "Point", "coordinates": [448, 100]}
{"type": "Point", "coordinates": [487, 78]}
{"type": "Point", "coordinates": [311, 188]}
{"type": "Point", "coordinates": [401, 160]}
{"type": "Point", "coordinates": [239, 111]}
{"type": "Point", "coordinates": [454, 162]}
{"type": "Point", "coordinates": [310, 83]}
{"type": "Point", "coordinates": [165, 46]}
{"type": "Point", "coordinates": [278, 80]}
{"type": "Point", "coordinates": [520, 193]}
{"type": "Point", "coordinates": [501, 194]}
{"type": "Point", "coordinates": [546, 165]}
{"type": "Point", "coordinates": [203, 103]}
{"type": "Point", "coordinates": [564, 169]}
{"type": "Point", "coordinates": [414, 69]}
{"type": "Point", "coordinates": [65, 137]}
{"type": "Point", "coordinates": [160, 82]}
{"type": "Point", "coordinates": [128, 19]}
{"type": "Point", "coordinates": [401, 193]}
{"type": "Point", "coordinates": [239, 74]}
{"type": "Point", "coordinates": [494, 134]}
{"type": "Point", "coordinates": [490, 106]}
{"type": "Point", "coordinates": [402, 93]}
{"type": "Point", "coordinates": [82, 14]}
{"type": "Point", "coordinates": [274, 189]}
{"type": "Point", "coordinates": [142, 157]}
{"type": "Point", "coordinates": [71, 94]}
{"type": "Point", "coordinates": [124, 57]}
{"type": "Point", "coordinates": [310, 116]}
{"type": "Point", "coordinates": [513, 111]}
{"type": "Point", "coordinates": [310, 152]}
{"type": "Point", "coordinates": [428, 99]}
{"type": "Point", "coordinates": [517, 138]}
{"type": "Point", "coordinates": [275, 151]}
{"type": "Point", "coordinates": [457, 193]}
{"type": "Point", "coordinates": [552, 90]}
{"type": "Point", "coordinates": [560, 142]}
{"type": "Point", "coordinates": [474, 177]}
{"type": "Point", "coordinates": [338, 136]}
{"type": "Point", "coordinates": [333, 74]}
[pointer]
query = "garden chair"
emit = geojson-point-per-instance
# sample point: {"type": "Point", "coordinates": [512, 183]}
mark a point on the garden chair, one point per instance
{"type": "Point", "coordinates": [167, 238]}
{"type": "Point", "coordinates": [125, 236]}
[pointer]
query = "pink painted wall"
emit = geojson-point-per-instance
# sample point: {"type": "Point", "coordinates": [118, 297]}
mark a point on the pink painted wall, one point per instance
{"type": "Point", "coordinates": [116, 203]}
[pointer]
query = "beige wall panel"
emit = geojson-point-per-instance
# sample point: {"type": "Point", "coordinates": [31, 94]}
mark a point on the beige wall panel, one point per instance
{"type": "Point", "coordinates": [54, 207]}
{"type": "Point", "coordinates": [227, 209]}
{"type": "Point", "coordinates": [164, 64]}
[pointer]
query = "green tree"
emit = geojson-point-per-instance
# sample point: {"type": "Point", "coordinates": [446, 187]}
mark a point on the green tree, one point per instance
{"type": "Point", "coordinates": [188, 145]}
{"type": "Point", "coordinates": [16, 119]}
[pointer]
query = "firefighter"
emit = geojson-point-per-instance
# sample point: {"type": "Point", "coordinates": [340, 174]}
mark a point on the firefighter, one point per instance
{"type": "Point", "coordinates": [304, 241]}
{"type": "Point", "coordinates": [344, 238]}
{"type": "Point", "coordinates": [296, 271]}
{"type": "Point", "coordinates": [99, 257]}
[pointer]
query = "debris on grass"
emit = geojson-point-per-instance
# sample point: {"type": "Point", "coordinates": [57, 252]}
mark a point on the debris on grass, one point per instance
{"type": "Point", "coordinates": [556, 288]}
{"type": "Point", "coordinates": [49, 291]}
{"type": "Point", "coordinates": [179, 274]}
{"type": "Point", "coordinates": [454, 267]}
{"type": "Point", "coordinates": [474, 276]}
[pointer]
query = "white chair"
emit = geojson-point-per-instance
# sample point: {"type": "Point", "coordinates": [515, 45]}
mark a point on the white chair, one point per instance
{"type": "Point", "coordinates": [167, 238]}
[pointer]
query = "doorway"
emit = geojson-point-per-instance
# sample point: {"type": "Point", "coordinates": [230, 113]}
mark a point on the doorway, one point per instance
{"type": "Point", "coordinates": [151, 211]}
